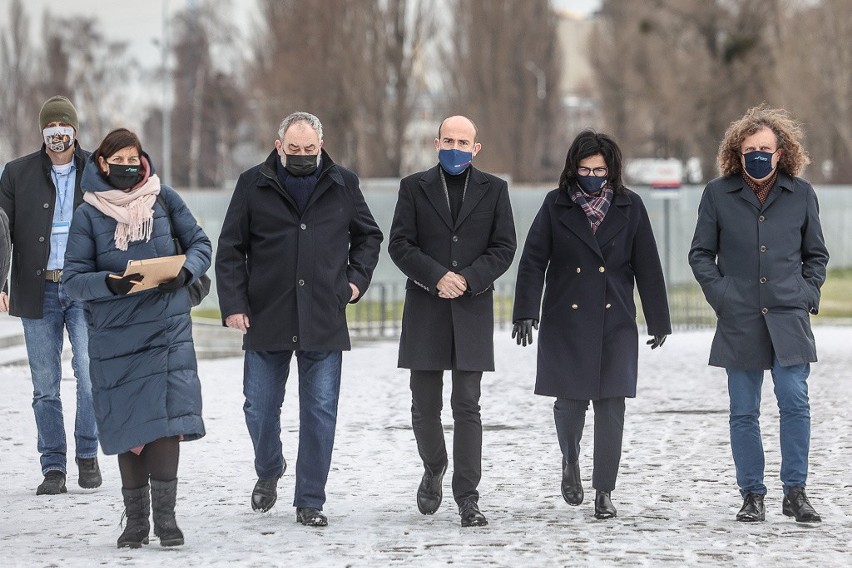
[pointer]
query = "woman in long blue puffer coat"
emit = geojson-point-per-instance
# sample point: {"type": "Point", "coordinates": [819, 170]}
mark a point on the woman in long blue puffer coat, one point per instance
{"type": "Point", "coordinates": [145, 384]}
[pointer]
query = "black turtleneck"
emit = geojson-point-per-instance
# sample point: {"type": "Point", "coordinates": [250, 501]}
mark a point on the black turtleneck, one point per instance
{"type": "Point", "coordinates": [455, 190]}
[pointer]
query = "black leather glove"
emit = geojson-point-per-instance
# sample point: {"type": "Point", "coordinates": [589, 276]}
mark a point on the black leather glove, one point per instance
{"type": "Point", "coordinates": [175, 283]}
{"type": "Point", "coordinates": [121, 286]}
{"type": "Point", "coordinates": [522, 331]}
{"type": "Point", "coordinates": [656, 341]}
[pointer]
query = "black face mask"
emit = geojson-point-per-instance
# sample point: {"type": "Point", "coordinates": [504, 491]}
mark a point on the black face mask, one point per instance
{"type": "Point", "coordinates": [300, 165]}
{"type": "Point", "coordinates": [124, 177]}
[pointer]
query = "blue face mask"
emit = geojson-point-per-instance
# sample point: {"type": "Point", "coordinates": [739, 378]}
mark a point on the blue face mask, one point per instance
{"type": "Point", "coordinates": [591, 184]}
{"type": "Point", "coordinates": [454, 161]}
{"type": "Point", "coordinates": [758, 165]}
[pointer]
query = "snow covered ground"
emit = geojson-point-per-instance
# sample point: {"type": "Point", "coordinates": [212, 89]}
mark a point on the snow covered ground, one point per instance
{"type": "Point", "coordinates": [676, 495]}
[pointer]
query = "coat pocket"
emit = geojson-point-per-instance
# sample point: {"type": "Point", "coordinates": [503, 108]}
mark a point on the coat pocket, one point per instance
{"type": "Point", "coordinates": [721, 295]}
{"type": "Point", "coordinates": [344, 292]}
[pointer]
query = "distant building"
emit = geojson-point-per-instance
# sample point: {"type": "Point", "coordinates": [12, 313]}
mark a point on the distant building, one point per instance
{"type": "Point", "coordinates": [577, 89]}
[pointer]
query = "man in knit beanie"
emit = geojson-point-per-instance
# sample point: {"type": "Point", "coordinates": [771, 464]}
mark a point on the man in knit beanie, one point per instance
{"type": "Point", "coordinates": [39, 193]}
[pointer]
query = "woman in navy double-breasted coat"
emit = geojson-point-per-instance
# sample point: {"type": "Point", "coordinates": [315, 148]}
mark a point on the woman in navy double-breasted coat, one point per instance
{"type": "Point", "coordinates": [589, 244]}
{"type": "Point", "coordinates": [145, 385]}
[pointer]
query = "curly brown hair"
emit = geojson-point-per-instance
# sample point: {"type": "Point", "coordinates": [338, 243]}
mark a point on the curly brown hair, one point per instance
{"type": "Point", "coordinates": [788, 132]}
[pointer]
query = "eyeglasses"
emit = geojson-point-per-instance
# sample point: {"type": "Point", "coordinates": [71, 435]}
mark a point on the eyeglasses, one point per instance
{"type": "Point", "coordinates": [597, 172]}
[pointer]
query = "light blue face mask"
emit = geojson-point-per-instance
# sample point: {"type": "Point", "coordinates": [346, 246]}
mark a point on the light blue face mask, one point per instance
{"type": "Point", "coordinates": [454, 161]}
{"type": "Point", "coordinates": [758, 164]}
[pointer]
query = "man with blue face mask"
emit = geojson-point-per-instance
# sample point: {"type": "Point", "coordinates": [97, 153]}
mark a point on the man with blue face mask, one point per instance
{"type": "Point", "coordinates": [452, 235]}
{"type": "Point", "coordinates": [760, 258]}
{"type": "Point", "coordinates": [39, 193]}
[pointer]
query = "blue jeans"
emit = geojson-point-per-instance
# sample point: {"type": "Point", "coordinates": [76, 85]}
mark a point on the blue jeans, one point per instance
{"type": "Point", "coordinates": [791, 393]}
{"type": "Point", "coordinates": [44, 339]}
{"type": "Point", "coordinates": [265, 377]}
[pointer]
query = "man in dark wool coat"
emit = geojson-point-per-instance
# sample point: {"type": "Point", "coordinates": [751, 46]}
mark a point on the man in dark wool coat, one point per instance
{"type": "Point", "coordinates": [453, 235]}
{"type": "Point", "coordinates": [298, 244]}
{"type": "Point", "coordinates": [760, 257]}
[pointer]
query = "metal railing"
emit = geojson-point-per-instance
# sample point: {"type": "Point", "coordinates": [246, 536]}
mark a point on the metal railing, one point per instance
{"type": "Point", "coordinates": [379, 313]}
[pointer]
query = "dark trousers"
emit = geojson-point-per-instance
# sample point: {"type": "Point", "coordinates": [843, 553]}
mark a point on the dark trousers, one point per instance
{"type": "Point", "coordinates": [570, 417]}
{"type": "Point", "coordinates": [426, 405]}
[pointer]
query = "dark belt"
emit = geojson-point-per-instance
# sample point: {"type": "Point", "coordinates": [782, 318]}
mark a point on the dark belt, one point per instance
{"type": "Point", "coordinates": [53, 275]}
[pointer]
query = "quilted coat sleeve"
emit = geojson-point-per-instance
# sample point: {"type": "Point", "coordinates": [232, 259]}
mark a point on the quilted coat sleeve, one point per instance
{"type": "Point", "coordinates": [80, 277]}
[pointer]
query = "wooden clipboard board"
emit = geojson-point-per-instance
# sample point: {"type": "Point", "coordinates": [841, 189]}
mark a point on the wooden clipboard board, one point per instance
{"type": "Point", "coordinates": [155, 271]}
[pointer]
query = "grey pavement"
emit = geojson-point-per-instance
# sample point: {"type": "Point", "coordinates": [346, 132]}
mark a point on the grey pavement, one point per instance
{"type": "Point", "coordinates": [676, 495]}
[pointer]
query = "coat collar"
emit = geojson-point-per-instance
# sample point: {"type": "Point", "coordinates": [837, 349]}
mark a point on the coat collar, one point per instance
{"type": "Point", "coordinates": [80, 160]}
{"type": "Point", "coordinates": [574, 218]}
{"type": "Point", "coordinates": [735, 182]}
{"type": "Point", "coordinates": [477, 186]}
{"type": "Point", "coordinates": [329, 176]}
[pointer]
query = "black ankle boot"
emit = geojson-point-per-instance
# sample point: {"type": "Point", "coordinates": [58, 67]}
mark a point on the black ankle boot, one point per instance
{"type": "Point", "coordinates": [604, 509]}
{"type": "Point", "coordinates": [796, 504]}
{"type": "Point", "coordinates": [137, 509]}
{"type": "Point", "coordinates": [430, 492]}
{"type": "Point", "coordinates": [163, 496]}
{"type": "Point", "coordinates": [752, 510]}
{"type": "Point", "coordinates": [572, 486]}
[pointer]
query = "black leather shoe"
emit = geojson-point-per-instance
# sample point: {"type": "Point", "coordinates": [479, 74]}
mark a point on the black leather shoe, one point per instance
{"type": "Point", "coordinates": [265, 494]}
{"type": "Point", "coordinates": [796, 504]}
{"type": "Point", "coordinates": [604, 509]}
{"type": "Point", "coordinates": [90, 473]}
{"type": "Point", "coordinates": [752, 510]}
{"type": "Point", "coordinates": [53, 484]}
{"type": "Point", "coordinates": [470, 514]}
{"type": "Point", "coordinates": [572, 486]}
{"type": "Point", "coordinates": [430, 493]}
{"type": "Point", "coordinates": [311, 517]}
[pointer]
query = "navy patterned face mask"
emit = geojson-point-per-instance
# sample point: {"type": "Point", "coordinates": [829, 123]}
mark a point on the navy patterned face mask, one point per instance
{"type": "Point", "coordinates": [758, 164]}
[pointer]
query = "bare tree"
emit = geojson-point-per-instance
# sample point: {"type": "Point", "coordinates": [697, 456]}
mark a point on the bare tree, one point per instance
{"type": "Point", "coordinates": [505, 66]}
{"type": "Point", "coordinates": [674, 73]}
{"type": "Point", "coordinates": [816, 81]}
{"type": "Point", "coordinates": [352, 63]}
{"type": "Point", "coordinates": [206, 112]}
{"type": "Point", "coordinates": [81, 63]}
{"type": "Point", "coordinates": [18, 104]}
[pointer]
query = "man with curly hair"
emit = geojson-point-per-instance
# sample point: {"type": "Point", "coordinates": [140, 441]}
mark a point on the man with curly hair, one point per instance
{"type": "Point", "coordinates": [760, 257]}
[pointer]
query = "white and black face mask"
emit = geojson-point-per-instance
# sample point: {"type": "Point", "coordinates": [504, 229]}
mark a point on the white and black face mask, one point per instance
{"type": "Point", "coordinates": [58, 138]}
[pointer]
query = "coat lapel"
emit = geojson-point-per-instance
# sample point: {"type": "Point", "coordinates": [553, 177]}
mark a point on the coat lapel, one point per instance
{"type": "Point", "coordinates": [329, 176]}
{"type": "Point", "coordinates": [746, 193]}
{"type": "Point", "coordinates": [477, 186]}
{"type": "Point", "coordinates": [781, 183]}
{"type": "Point", "coordinates": [573, 217]}
{"type": "Point", "coordinates": [615, 220]}
{"type": "Point", "coordinates": [431, 184]}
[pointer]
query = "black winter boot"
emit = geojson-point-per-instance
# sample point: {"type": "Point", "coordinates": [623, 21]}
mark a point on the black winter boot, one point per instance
{"type": "Point", "coordinates": [572, 485]}
{"type": "Point", "coordinates": [163, 496]}
{"type": "Point", "coordinates": [137, 509]}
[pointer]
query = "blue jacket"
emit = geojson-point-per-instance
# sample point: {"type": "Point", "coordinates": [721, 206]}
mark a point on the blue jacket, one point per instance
{"type": "Point", "coordinates": [142, 359]}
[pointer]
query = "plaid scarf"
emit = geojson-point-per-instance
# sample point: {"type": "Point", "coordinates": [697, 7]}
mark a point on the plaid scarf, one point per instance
{"type": "Point", "coordinates": [594, 206]}
{"type": "Point", "coordinates": [761, 189]}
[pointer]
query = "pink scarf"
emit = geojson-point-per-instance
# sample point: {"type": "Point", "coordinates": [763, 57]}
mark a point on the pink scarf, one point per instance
{"type": "Point", "coordinates": [132, 210]}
